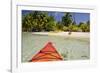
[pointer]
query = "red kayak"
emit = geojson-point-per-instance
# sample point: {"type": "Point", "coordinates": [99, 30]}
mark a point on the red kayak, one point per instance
{"type": "Point", "coordinates": [48, 53]}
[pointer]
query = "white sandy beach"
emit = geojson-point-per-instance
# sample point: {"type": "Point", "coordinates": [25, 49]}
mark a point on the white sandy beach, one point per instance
{"type": "Point", "coordinates": [73, 34]}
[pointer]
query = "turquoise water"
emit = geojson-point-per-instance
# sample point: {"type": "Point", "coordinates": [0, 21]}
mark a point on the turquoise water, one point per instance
{"type": "Point", "coordinates": [69, 48]}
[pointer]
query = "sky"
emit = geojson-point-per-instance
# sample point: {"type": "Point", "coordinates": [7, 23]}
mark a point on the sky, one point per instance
{"type": "Point", "coordinates": [78, 17]}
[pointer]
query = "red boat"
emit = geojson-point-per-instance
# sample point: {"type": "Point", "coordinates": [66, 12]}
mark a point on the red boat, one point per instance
{"type": "Point", "coordinates": [48, 53]}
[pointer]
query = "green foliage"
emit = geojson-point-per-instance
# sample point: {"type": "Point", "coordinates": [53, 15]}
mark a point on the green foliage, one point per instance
{"type": "Point", "coordinates": [59, 26]}
{"type": "Point", "coordinates": [27, 22]}
{"type": "Point", "coordinates": [40, 21]}
{"type": "Point", "coordinates": [65, 28]}
{"type": "Point", "coordinates": [73, 28]}
{"type": "Point", "coordinates": [67, 19]}
{"type": "Point", "coordinates": [84, 27]}
{"type": "Point", "coordinates": [50, 26]}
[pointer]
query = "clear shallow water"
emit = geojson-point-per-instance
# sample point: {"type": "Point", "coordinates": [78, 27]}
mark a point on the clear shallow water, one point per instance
{"type": "Point", "coordinates": [69, 48]}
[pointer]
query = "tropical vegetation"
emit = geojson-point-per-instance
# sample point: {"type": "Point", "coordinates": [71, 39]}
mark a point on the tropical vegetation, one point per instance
{"type": "Point", "coordinates": [40, 21]}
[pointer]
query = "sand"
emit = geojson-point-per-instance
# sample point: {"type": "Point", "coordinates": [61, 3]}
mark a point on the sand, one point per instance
{"type": "Point", "coordinates": [65, 34]}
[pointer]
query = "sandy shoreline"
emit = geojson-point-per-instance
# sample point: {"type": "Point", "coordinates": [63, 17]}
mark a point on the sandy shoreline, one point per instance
{"type": "Point", "coordinates": [65, 34]}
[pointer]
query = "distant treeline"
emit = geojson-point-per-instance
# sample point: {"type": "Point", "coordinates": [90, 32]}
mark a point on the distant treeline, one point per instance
{"type": "Point", "coordinates": [38, 21]}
